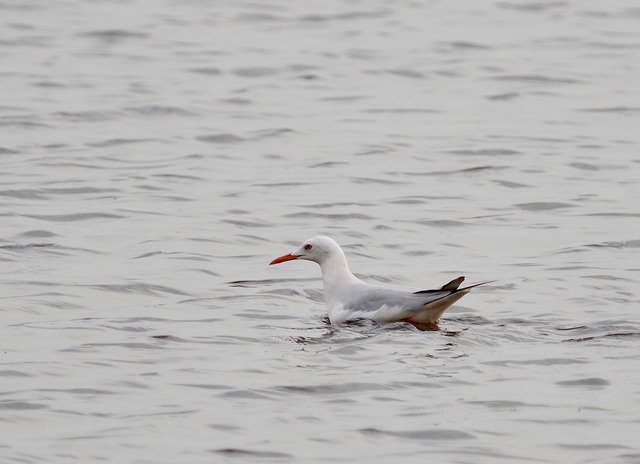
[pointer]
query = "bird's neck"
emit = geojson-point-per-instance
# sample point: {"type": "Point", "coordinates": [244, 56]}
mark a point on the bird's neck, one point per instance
{"type": "Point", "coordinates": [336, 273]}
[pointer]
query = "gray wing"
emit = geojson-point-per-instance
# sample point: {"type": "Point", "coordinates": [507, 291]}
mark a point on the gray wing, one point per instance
{"type": "Point", "coordinates": [373, 297]}
{"type": "Point", "coordinates": [391, 304]}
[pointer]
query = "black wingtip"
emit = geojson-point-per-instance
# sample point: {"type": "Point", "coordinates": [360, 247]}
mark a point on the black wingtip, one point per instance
{"type": "Point", "coordinates": [453, 285]}
{"type": "Point", "coordinates": [477, 285]}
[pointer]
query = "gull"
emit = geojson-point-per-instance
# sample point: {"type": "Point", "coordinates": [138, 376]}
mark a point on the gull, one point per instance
{"type": "Point", "coordinates": [349, 298]}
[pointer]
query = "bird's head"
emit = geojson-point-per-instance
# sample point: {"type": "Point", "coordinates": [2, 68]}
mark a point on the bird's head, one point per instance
{"type": "Point", "coordinates": [315, 249]}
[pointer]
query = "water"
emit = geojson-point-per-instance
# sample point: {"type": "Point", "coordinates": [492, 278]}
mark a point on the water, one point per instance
{"type": "Point", "coordinates": [155, 152]}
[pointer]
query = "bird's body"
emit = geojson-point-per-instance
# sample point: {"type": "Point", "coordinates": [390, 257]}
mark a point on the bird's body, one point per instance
{"type": "Point", "coordinates": [348, 298]}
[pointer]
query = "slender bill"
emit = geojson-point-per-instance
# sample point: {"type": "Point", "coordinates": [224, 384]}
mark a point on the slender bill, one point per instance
{"type": "Point", "coordinates": [283, 258]}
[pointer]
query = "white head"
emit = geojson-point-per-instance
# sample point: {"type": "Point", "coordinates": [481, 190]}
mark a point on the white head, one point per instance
{"type": "Point", "coordinates": [316, 249]}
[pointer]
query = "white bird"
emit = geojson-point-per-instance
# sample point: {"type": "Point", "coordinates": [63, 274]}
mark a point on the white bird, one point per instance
{"type": "Point", "coordinates": [349, 298]}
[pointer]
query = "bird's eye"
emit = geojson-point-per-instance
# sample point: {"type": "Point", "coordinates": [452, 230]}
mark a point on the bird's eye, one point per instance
{"type": "Point", "coordinates": [307, 247]}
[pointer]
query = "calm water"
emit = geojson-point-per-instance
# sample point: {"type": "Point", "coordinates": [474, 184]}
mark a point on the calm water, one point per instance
{"type": "Point", "coordinates": [153, 152]}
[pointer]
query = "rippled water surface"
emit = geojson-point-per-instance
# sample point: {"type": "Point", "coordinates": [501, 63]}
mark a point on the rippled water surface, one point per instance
{"type": "Point", "coordinates": [158, 154]}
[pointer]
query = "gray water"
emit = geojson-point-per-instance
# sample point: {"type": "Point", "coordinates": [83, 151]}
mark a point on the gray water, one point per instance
{"type": "Point", "coordinates": [158, 154]}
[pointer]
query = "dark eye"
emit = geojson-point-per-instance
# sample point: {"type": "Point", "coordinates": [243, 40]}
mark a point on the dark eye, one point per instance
{"type": "Point", "coordinates": [307, 247]}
